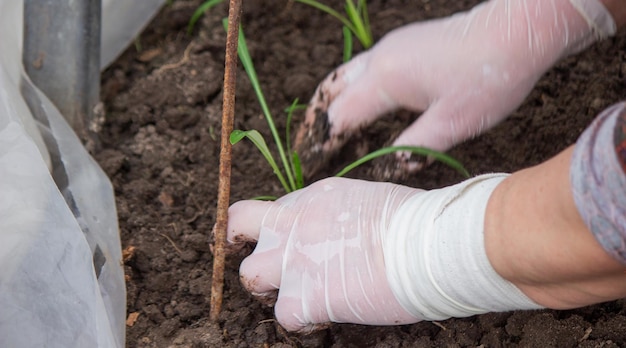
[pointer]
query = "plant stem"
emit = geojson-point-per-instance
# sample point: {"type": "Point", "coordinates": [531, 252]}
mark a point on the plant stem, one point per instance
{"type": "Point", "coordinates": [246, 60]}
{"type": "Point", "coordinates": [347, 44]}
{"type": "Point", "coordinates": [223, 196]}
{"type": "Point", "coordinates": [199, 12]}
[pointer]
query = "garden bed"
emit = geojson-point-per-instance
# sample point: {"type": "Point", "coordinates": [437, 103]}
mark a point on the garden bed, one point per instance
{"type": "Point", "coordinates": [161, 146]}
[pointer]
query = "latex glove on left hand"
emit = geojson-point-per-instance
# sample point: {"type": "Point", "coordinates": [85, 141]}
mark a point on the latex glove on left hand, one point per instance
{"type": "Point", "coordinates": [352, 251]}
{"type": "Point", "coordinates": [465, 72]}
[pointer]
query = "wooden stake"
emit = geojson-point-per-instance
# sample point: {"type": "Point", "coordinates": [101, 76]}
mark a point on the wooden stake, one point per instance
{"type": "Point", "coordinates": [223, 195]}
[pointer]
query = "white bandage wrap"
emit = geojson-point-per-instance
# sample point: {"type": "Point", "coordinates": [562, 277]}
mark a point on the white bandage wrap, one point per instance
{"type": "Point", "coordinates": [597, 16]}
{"type": "Point", "coordinates": [435, 255]}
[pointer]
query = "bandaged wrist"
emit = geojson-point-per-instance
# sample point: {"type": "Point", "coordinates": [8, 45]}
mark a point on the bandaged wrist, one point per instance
{"type": "Point", "coordinates": [435, 257]}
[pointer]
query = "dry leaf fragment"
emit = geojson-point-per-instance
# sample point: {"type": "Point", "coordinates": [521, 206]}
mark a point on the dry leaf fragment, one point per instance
{"type": "Point", "coordinates": [132, 318]}
{"type": "Point", "coordinates": [166, 199]}
{"type": "Point", "coordinates": [128, 253]}
{"type": "Point", "coordinates": [149, 55]}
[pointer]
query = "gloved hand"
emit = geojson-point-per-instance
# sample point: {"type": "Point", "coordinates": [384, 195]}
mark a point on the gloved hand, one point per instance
{"type": "Point", "coordinates": [465, 72]}
{"type": "Point", "coordinates": [343, 250]}
{"type": "Point", "coordinates": [322, 246]}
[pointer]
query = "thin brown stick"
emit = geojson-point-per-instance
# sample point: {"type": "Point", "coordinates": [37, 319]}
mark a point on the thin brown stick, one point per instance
{"type": "Point", "coordinates": [223, 195]}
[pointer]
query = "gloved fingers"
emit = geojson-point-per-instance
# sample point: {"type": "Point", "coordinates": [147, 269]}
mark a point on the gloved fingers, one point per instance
{"type": "Point", "coordinates": [353, 99]}
{"type": "Point", "coordinates": [316, 116]}
{"type": "Point", "coordinates": [438, 128]}
{"type": "Point", "coordinates": [260, 273]}
{"type": "Point", "coordinates": [295, 315]}
{"type": "Point", "coordinates": [245, 219]}
{"type": "Point", "coordinates": [359, 104]}
{"type": "Point", "coordinates": [267, 223]}
{"type": "Point", "coordinates": [335, 82]}
{"type": "Point", "coordinates": [444, 124]}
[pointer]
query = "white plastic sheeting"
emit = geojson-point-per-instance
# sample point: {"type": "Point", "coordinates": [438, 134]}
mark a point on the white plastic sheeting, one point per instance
{"type": "Point", "coordinates": [61, 280]}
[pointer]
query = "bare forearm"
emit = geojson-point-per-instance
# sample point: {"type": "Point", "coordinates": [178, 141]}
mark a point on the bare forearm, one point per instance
{"type": "Point", "coordinates": [535, 238]}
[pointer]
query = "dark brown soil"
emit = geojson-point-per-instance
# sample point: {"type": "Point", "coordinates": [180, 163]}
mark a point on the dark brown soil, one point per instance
{"type": "Point", "coordinates": [163, 100]}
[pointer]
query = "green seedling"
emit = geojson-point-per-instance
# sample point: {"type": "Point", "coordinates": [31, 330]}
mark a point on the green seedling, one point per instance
{"type": "Point", "coordinates": [347, 44]}
{"type": "Point", "coordinates": [199, 12]}
{"type": "Point", "coordinates": [422, 151]}
{"type": "Point", "coordinates": [356, 22]}
{"type": "Point", "coordinates": [290, 175]}
{"type": "Point", "coordinates": [289, 172]}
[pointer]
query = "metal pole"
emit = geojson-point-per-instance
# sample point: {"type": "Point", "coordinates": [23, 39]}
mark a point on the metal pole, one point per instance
{"type": "Point", "coordinates": [62, 57]}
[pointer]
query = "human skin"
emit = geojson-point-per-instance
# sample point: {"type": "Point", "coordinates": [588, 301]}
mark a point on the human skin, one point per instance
{"type": "Point", "coordinates": [535, 238]}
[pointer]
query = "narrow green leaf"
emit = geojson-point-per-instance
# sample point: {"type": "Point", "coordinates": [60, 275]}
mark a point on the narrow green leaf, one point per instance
{"type": "Point", "coordinates": [347, 44]}
{"type": "Point", "coordinates": [257, 139]}
{"type": "Point", "coordinates": [290, 110]}
{"type": "Point", "coordinates": [264, 198]}
{"type": "Point", "coordinates": [329, 11]}
{"type": "Point", "coordinates": [439, 156]}
{"type": "Point", "coordinates": [236, 136]}
{"type": "Point", "coordinates": [294, 160]}
{"type": "Point", "coordinates": [295, 107]}
{"type": "Point", "coordinates": [297, 168]}
{"type": "Point", "coordinates": [366, 21]}
{"type": "Point", "coordinates": [199, 12]}
{"type": "Point", "coordinates": [246, 61]}
{"type": "Point", "coordinates": [359, 27]}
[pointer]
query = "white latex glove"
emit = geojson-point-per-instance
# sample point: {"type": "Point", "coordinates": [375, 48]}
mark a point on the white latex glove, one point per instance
{"type": "Point", "coordinates": [322, 246]}
{"type": "Point", "coordinates": [361, 252]}
{"type": "Point", "coordinates": [465, 72]}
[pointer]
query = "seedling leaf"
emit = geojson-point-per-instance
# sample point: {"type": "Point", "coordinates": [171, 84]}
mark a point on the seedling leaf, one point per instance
{"type": "Point", "coordinates": [439, 156]}
{"type": "Point", "coordinates": [264, 198]}
{"type": "Point", "coordinates": [246, 61]}
{"type": "Point", "coordinates": [293, 107]}
{"type": "Point", "coordinates": [366, 19]}
{"type": "Point", "coordinates": [294, 160]}
{"type": "Point", "coordinates": [257, 139]}
{"type": "Point", "coordinates": [347, 44]}
{"type": "Point", "coordinates": [199, 12]}
{"type": "Point", "coordinates": [329, 11]}
{"type": "Point", "coordinates": [236, 136]}
{"type": "Point", "coordinates": [297, 168]}
{"type": "Point", "coordinates": [357, 19]}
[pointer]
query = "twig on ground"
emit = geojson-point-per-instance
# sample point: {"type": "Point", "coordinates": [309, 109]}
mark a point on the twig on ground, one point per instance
{"type": "Point", "coordinates": [586, 335]}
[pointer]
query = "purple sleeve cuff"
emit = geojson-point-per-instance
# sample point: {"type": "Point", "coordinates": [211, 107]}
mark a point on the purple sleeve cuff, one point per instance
{"type": "Point", "coordinates": [598, 179]}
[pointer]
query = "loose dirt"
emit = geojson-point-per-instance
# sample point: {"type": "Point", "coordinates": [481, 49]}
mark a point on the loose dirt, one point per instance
{"type": "Point", "coordinates": [161, 145]}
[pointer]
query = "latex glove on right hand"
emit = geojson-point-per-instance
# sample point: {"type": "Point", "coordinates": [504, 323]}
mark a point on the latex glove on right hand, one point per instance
{"type": "Point", "coordinates": [352, 251]}
{"type": "Point", "coordinates": [465, 72]}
